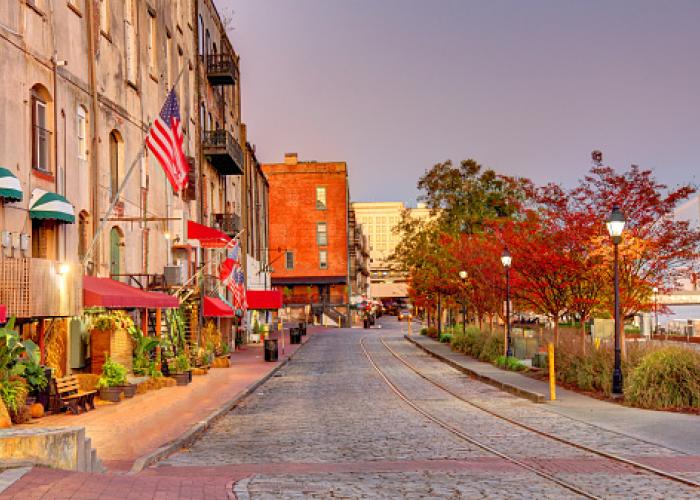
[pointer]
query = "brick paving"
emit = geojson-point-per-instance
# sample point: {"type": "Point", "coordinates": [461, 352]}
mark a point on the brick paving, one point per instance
{"type": "Point", "coordinates": [123, 432]}
{"type": "Point", "coordinates": [328, 426]}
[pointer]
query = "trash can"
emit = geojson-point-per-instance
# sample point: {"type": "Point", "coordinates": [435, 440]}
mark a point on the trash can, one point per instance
{"type": "Point", "coordinates": [295, 335]}
{"type": "Point", "coordinates": [271, 350]}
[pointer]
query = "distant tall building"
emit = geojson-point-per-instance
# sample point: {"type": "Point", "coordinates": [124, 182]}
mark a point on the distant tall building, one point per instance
{"type": "Point", "coordinates": [379, 219]}
{"type": "Point", "coordinates": [309, 217]}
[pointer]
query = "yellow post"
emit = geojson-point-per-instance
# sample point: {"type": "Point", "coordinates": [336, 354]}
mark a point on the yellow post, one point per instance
{"type": "Point", "coordinates": [409, 326]}
{"type": "Point", "coordinates": [552, 378]}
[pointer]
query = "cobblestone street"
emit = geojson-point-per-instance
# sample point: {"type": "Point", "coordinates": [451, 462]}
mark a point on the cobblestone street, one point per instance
{"type": "Point", "coordinates": [329, 425]}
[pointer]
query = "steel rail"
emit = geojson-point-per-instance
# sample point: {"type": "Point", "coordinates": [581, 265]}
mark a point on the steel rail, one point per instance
{"type": "Point", "coordinates": [468, 438]}
{"type": "Point", "coordinates": [605, 454]}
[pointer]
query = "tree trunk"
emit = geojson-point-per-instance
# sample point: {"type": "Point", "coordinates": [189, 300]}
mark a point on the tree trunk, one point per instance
{"type": "Point", "coordinates": [556, 331]}
{"type": "Point", "coordinates": [583, 335]}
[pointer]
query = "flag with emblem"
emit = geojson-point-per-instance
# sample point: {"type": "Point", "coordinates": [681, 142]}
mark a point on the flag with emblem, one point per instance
{"type": "Point", "coordinates": [165, 142]}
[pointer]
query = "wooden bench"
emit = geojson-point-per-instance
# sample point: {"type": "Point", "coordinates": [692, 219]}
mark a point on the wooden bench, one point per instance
{"type": "Point", "coordinates": [71, 396]}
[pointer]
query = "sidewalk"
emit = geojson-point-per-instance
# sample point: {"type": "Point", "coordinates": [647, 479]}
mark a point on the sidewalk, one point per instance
{"type": "Point", "coordinates": [129, 435]}
{"type": "Point", "coordinates": [677, 431]}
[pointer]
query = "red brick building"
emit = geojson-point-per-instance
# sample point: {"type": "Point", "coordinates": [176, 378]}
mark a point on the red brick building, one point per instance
{"type": "Point", "coordinates": [309, 205]}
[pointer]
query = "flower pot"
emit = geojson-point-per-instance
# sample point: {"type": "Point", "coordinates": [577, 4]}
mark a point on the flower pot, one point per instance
{"type": "Point", "coordinates": [181, 378]}
{"type": "Point", "coordinates": [111, 394]}
{"type": "Point", "coordinates": [129, 390]}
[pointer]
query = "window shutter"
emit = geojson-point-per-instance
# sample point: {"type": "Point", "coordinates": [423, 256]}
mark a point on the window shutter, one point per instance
{"type": "Point", "coordinates": [35, 142]}
{"type": "Point", "coordinates": [190, 193]}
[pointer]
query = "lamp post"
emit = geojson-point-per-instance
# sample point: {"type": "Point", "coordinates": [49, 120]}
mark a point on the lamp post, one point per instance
{"type": "Point", "coordinates": [506, 260]}
{"type": "Point", "coordinates": [439, 316]}
{"type": "Point", "coordinates": [656, 310]}
{"type": "Point", "coordinates": [463, 277]}
{"type": "Point", "coordinates": [616, 225]}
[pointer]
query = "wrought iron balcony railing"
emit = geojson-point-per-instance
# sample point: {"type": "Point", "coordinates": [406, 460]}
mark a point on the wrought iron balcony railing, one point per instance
{"type": "Point", "coordinates": [223, 151]}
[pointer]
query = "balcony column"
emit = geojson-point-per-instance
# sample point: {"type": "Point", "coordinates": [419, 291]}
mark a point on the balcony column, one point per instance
{"type": "Point", "coordinates": [144, 321]}
{"type": "Point", "coordinates": [159, 322]}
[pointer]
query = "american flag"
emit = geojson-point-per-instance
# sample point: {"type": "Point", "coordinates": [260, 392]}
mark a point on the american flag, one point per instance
{"type": "Point", "coordinates": [232, 276]}
{"type": "Point", "coordinates": [165, 142]}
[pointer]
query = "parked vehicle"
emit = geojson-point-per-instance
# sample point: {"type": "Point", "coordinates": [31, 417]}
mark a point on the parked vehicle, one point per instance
{"type": "Point", "coordinates": [405, 315]}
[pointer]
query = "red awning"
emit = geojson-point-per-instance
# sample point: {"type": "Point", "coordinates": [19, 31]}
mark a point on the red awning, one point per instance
{"type": "Point", "coordinates": [208, 236]}
{"type": "Point", "coordinates": [264, 299]}
{"type": "Point", "coordinates": [3, 313]}
{"type": "Point", "coordinates": [106, 292]}
{"type": "Point", "coordinates": [214, 307]}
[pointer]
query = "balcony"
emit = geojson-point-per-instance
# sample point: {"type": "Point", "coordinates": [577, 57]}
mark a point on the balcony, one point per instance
{"type": "Point", "coordinates": [37, 288]}
{"type": "Point", "coordinates": [228, 223]}
{"type": "Point", "coordinates": [223, 152]}
{"type": "Point", "coordinates": [222, 69]}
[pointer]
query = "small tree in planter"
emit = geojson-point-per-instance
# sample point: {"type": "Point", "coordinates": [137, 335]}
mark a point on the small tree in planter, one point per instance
{"type": "Point", "coordinates": [112, 380]}
{"type": "Point", "coordinates": [182, 366]}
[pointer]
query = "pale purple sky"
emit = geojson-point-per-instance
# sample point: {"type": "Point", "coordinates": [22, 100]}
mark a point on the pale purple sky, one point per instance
{"type": "Point", "coordinates": [527, 87]}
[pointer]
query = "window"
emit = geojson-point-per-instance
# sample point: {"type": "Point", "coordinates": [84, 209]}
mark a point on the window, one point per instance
{"type": "Point", "coordinates": [323, 259]}
{"type": "Point", "coordinates": [152, 43]}
{"type": "Point", "coordinates": [201, 36]}
{"type": "Point", "coordinates": [130, 42]}
{"type": "Point", "coordinates": [40, 137]}
{"type": "Point", "coordinates": [320, 198]}
{"type": "Point", "coordinates": [44, 239]}
{"type": "Point", "coordinates": [83, 233]}
{"type": "Point", "coordinates": [321, 233]}
{"type": "Point", "coordinates": [289, 260]}
{"type": "Point", "coordinates": [115, 162]}
{"type": "Point", "coordinates": [104, 17]}
{"type": "Point", "coordinates": [82, 133]}
{"type": "Point", "coordinates": [168, 62]}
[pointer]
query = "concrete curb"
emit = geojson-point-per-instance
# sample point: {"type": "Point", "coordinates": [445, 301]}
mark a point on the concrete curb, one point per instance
{"type": "Point", "coordinates": [197, 429]}
{"type": "Point", "coordinates": [535, 397]}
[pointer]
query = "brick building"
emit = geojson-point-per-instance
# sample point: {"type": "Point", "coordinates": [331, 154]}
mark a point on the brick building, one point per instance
{"type": "Point", "coordinates": [309, 207]}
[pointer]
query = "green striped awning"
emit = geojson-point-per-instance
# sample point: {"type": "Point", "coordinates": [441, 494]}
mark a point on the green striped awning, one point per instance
{"type": "Point", "coordinates": [10, 188]}
{"type": "Point", "coordinates": [47, 205]}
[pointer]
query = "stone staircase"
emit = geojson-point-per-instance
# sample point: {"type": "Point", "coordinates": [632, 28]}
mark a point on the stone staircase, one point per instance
{"type": "Point", "coordinates": [60, 448]}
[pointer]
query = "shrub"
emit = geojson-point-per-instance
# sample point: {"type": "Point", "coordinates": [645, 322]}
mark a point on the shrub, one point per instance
{"type": "Point", "coordinates": [113, 374]}
{"type": "Point", "coordinates": [509, 363]}
{"type": "Point", "coordinates": [424, 331]}
{"type": "Point", "coordinates": [446, 338]}
{"type": "Point", "coordinates": [493, 347]}
{"type": "Point", "coordinates": [432, 332]}
{"type": "Point", "coordinates": [667, 378]}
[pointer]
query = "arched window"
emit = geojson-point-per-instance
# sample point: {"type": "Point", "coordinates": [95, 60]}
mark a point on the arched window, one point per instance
{"type": "Point", "coordinates": [116, 162]}
{"type": "Point", "coordinates": [83, 233]}
{"type": "Point", "coordinates": [116, 256]}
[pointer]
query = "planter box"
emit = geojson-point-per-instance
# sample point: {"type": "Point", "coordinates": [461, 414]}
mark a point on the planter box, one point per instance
{"type": "Point", "coordinates": [129, 390]}
{"type": "Point", "coordinates": [181, 378]}
{"type": "Point", "coordinates": [111, 394]}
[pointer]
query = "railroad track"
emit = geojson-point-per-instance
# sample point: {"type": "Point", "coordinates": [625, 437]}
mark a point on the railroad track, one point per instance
{"type": "Point", "coordinates": [454, 430]}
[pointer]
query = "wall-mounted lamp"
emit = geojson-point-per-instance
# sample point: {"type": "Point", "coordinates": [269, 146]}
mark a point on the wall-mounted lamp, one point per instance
{"type": "Point", "coordinates": [63, 268]}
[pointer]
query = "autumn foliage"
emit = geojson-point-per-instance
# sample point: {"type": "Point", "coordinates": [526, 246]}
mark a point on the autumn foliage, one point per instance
{"type": "Point", "coordinates": [561, 252]}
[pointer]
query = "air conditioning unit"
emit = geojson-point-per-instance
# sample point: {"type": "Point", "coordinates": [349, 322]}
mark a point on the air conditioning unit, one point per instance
{"type": "Point", "coordinates": [173, 275]}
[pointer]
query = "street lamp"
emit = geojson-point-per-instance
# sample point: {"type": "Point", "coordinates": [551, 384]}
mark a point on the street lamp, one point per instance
{"type": "Point", "coordinates": [656, 309]}
{"type": "Point", "coordinates": [616, 225]}
{"type": "Point", "coordinates": [506, 260]}
{"type": "Point", "coordinates": [463, 277]}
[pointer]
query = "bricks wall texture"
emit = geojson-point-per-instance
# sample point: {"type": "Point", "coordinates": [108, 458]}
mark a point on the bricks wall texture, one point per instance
{"type": "Point", "coordinates": [293, 218]}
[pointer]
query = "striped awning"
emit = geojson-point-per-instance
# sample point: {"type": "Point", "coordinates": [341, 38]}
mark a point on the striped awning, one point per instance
{"type": "Point", "coordinates": [48, 205]}
{"type": "Point", "coordinates": [10, 188]}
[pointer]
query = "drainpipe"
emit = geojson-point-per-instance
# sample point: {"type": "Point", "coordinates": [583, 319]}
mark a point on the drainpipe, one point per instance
{"type": "Point", "coordinates": [94, 130]}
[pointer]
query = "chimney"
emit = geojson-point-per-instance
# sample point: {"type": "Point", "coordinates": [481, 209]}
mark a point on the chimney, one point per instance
{"type": "Point", "coordinates": [291, 158]}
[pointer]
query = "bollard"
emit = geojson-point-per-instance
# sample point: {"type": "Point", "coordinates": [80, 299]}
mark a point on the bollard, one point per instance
{"type": "Point", "coordinates": [552, 378]}
{"type": "Point", "coordinates": [409, 326]}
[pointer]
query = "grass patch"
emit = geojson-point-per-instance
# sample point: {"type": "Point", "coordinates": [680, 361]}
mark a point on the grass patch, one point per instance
{"type": "Point", "coordinates": [510, 363]}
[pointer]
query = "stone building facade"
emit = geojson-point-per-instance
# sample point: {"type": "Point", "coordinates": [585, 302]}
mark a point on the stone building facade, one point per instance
{"type": "Point", "coordinates": [83, 80]}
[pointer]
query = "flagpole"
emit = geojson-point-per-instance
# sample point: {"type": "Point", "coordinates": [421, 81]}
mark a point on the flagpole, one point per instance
{"type": "Point", "coordinates": [115, 198]}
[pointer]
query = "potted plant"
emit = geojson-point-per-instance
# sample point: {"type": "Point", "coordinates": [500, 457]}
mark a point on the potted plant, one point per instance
{"type": "Point", "coordinates": [112, 380]}
{"type": "Point", "coordinates": [182, 366]}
